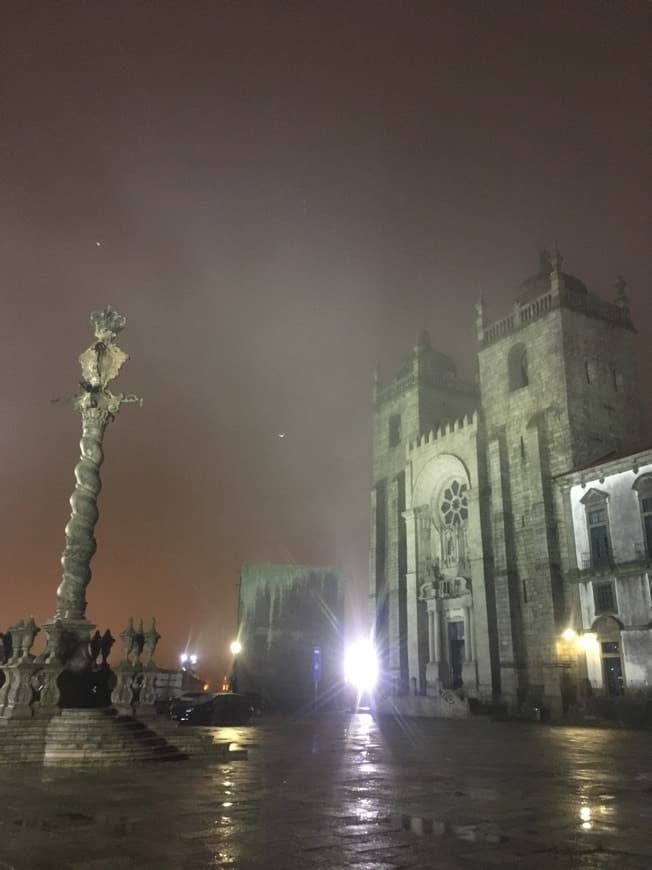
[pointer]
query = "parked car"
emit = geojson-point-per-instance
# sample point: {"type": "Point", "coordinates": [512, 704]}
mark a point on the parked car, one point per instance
{"type": "Point", "coordinates": [257, 702]}
{"type": "Point", "coordinates": [225, 708]}
{"type": "Point", "coordinates": [187, 700]}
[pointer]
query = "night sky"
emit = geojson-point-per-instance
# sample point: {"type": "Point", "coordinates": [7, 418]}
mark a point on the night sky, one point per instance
{"type": "Point", "coordinates": [284, 194]}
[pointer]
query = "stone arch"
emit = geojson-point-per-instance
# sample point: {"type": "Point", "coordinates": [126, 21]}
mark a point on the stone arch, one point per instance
{"type": "Point", "coordinates": [434, 476]}
{"type": "Point", "coordinates": [606, 626]}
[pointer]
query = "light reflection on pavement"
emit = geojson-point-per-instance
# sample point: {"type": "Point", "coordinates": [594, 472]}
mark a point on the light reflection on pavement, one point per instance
{"type": "Point", "coordinates": [342, 791]}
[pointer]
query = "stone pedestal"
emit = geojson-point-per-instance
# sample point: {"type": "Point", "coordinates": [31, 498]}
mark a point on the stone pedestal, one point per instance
{"type": "Point", "coordinates": [122, 696]}
{"type": "Point", "coordinates": [17, 693]}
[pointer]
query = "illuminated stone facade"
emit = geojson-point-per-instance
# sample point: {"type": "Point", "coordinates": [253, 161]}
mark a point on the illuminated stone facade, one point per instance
{"type": "Point", "coordinates": [471, 582]}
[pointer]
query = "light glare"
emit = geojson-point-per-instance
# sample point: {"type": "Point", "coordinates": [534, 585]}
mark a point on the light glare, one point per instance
{"type": "Point", "coordinates": [361, 666]}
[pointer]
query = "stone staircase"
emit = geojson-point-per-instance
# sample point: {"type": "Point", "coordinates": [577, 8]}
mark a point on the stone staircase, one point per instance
{"type": "Point", "coordinates": [97, 738]}
{"type": "Point", "coordinates": [102, 738]}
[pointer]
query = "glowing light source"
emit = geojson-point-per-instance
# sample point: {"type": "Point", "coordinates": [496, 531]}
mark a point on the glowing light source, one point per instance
{"type": "Point", "coordinates": [361, 665]}
{"type": "Point", "coordinates": [236, 648]}
{"type": "Point", "coordinates": [569, 635]}
{"type": "Point", "coordinates": [193, 659]}
{"type": "Point", "coordinates": [588, 641]}
{"type": "Point", "coordinates": [183, 658]}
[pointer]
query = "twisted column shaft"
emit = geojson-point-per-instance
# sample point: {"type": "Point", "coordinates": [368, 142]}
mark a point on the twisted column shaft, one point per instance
{"type": "Point", "coordinates": [80, 543]}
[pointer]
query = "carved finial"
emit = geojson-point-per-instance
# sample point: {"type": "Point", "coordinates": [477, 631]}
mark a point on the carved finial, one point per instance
{"type": "Point", "coordinates": [556, 275]}
{"type": "Point", "coordinates": [622, 300]}
{"type": "Point", "coordinates": [479, 317]}
{"type": "Point", "coordinates": [423, 341]}
{"type": "Point", "coordinates": [107, 323]}
{"type": "Point", "coordinates": [556, 260]}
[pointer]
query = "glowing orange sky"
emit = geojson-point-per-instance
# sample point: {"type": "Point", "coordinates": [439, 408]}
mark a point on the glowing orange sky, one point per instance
{"type": "Point", "coordinates": [284, 194]}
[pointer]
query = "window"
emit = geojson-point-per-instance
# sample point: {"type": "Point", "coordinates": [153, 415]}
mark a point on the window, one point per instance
{"type": "Point", "coordinates": [599, 537]}
{"type": "Point", "coordinates": [604, 598]}
{"type": "Point", "coordinates": [643, 486]}
{"type": "Point", "coordinates": [597, 521]}
{"type": "Point", "coordinates": [517, 367]}
{"type": "Point", "coordinates": [394, 430]}
{"type": "Point", "coordinates": [646, 512]}
{"type": "Point", "coordinates": [455, 504]}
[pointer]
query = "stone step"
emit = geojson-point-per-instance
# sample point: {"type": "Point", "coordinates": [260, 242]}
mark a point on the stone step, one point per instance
{"type": "Point", "coordinates": [102, 737]}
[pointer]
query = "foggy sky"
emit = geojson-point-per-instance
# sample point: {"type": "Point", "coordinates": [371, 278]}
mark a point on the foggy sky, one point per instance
{"type": "Point", "coordinates": [284, 194]}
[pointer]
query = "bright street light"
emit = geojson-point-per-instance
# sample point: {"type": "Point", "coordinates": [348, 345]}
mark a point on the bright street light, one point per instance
{"type": "Point", "coordinates": [236, 648]}
{"type": "Point", "coordinates": [183, 658]}
{"type": "Point", "coordinates": [361, 666]}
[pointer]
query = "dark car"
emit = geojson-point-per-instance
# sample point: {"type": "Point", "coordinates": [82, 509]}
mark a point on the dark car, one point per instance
{"type": "Point", "coordinates": [189, 699]}
{"type": "Point", "coordinates": [225, 708]}
{"type": "Point", "coordinates": [257, 702]}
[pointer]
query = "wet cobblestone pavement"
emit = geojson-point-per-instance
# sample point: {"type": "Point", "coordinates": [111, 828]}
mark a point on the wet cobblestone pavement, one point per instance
{"type": "Point", "coordinates": [345, 791]}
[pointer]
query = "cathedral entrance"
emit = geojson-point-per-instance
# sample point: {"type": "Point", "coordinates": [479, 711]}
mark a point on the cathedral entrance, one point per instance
{"type": "Point", "coordinates": [455, 653]}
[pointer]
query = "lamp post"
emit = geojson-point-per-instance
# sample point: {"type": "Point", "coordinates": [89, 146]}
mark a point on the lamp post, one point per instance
{"type": "Point", "coordinates": [236, 649]}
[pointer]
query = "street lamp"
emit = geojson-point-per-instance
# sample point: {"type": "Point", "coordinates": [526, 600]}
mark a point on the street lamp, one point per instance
{"type": "Point", "coordinates": [236, 649]}
{"type": "Point", "coordinates": [188, 659]}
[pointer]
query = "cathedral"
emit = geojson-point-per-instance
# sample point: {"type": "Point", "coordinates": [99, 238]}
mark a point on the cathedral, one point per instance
{"type": "Point", "coordinates": [511, 517]}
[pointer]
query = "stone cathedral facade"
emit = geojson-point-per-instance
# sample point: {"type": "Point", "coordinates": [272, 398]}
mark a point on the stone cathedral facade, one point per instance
{"type": "Point", "coordinates": [474, 575]}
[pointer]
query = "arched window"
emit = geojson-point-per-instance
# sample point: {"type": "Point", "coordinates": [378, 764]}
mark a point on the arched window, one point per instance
{"type": "Point", "coordinates": [517, 367]}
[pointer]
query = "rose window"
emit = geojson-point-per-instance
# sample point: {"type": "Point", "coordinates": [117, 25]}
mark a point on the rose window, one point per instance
{"type": "Point", "coordinates": [455, 504]}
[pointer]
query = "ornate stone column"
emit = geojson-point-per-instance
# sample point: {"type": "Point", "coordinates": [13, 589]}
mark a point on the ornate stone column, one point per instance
{"type": "Point", "coordinates": [468, 642]}
{"type": "Point", "coordinates": [68, 634]}
{"type": "Point", "coordinates": [436, 640]}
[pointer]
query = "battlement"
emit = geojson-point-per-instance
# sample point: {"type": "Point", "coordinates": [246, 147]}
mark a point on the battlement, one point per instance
{"type": "Point", "coordinates": [467, 423]}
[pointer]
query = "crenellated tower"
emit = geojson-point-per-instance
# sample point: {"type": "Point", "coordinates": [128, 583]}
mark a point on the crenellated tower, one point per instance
{"type": "Point", "coordinates": [424, 394]}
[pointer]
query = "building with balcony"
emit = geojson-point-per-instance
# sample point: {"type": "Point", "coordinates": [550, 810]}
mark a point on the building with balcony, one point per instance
{"type": "Point", "coordinates": [608, 516]}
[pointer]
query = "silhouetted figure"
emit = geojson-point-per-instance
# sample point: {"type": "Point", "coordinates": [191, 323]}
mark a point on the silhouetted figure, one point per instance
{"type": "Point", "coordinates": [106, 643]}
{"type": "Point", "coordinates": [94, 645]}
